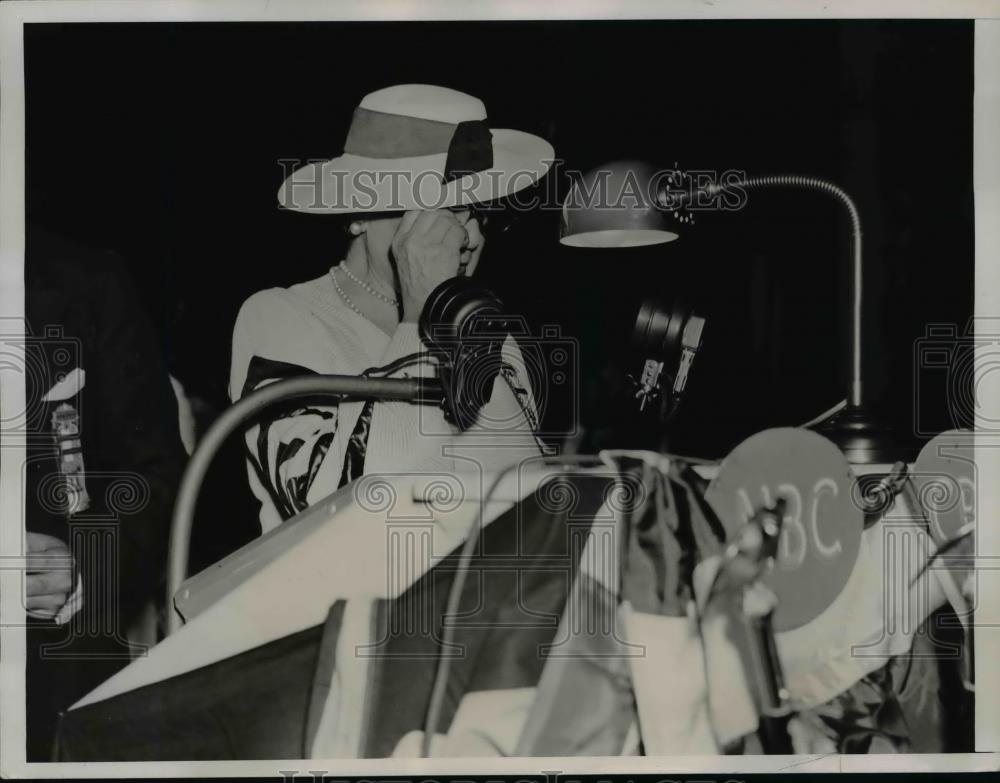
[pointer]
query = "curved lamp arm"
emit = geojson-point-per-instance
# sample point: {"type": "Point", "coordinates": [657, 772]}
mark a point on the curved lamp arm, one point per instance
{"type": "Point", "coordinates": [855, 388]}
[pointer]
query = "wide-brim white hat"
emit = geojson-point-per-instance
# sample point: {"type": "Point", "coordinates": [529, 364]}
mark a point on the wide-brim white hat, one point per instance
{"type": "Point", "coordinates": [418, 146]}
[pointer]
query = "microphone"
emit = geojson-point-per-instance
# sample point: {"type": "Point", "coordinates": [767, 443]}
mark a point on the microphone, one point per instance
{"type": "Point", "coordinates": [463, 325]}
{"type": "Point", "coordinates": [666, 338]}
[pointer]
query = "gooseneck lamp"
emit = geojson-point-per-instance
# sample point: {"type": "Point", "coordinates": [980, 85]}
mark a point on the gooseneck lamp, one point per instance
{"type": "Point", "coordinates": [627, 203]}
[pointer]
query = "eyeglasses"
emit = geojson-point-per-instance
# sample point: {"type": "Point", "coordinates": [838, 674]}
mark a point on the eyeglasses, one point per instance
{"type": "Point", "coordinates": [500, 218]}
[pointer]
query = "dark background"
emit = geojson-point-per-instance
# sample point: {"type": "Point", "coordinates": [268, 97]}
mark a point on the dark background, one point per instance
{"type": "Point", "coordinates": [161, 141]}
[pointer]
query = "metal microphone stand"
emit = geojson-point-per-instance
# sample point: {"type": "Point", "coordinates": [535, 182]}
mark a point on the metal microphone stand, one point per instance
{"type": "Point", "coordinates": [743, 564]}
{"type": "Point", "coordinates": [340, 386]}
{"type": "Point", "coordinates": [759, 603]}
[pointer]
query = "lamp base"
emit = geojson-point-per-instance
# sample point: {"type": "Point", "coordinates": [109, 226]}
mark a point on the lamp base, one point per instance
{"type": "Point", "coordinates": [862, 438]}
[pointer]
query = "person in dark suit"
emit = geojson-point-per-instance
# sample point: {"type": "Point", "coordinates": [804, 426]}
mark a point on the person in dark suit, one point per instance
{"type": "Point", "coordinates": [102, 463]}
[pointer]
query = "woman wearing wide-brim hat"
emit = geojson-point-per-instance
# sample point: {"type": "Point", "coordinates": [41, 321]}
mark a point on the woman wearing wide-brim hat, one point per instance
{"type": "Point", "coordinates": [416, 159]}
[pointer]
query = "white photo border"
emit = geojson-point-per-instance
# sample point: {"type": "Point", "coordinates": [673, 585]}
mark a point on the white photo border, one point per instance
{"type": "Point", "coordinates": [13, 15]}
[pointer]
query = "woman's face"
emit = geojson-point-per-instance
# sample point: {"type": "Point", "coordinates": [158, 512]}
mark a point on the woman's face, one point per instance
{"type": "Point", "coordinates": [380, 232]}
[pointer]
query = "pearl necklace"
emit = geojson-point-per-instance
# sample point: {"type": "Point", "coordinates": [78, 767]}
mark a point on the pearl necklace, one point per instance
{"type": "Point", "coordinates": [344, 296]}
{"type": "Point", "coordinates": [367, 287]}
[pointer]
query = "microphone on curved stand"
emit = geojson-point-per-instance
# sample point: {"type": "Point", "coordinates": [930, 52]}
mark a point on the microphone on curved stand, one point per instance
{"type": "Point", "coordinates": [461, 324]}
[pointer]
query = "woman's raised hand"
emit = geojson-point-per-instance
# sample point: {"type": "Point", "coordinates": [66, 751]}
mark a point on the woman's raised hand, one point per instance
{"type": "Point", "coordinates": [431, 247]}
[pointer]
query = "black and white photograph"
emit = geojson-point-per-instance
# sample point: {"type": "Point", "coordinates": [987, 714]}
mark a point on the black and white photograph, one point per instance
{"type": "Point", "coordinates": [413, 385]}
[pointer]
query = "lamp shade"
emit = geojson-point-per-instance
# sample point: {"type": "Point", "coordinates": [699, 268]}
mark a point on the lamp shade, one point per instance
{"type": "Point", "coordinates": [614, 205]}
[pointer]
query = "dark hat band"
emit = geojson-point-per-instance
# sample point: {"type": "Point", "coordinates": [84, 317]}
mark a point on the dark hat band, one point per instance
{"type": "Point", "coordinates": [376, 134]}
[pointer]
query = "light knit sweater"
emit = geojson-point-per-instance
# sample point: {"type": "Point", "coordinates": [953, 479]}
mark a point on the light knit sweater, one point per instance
{"type": "Point", "coordinates": [296, 455]}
